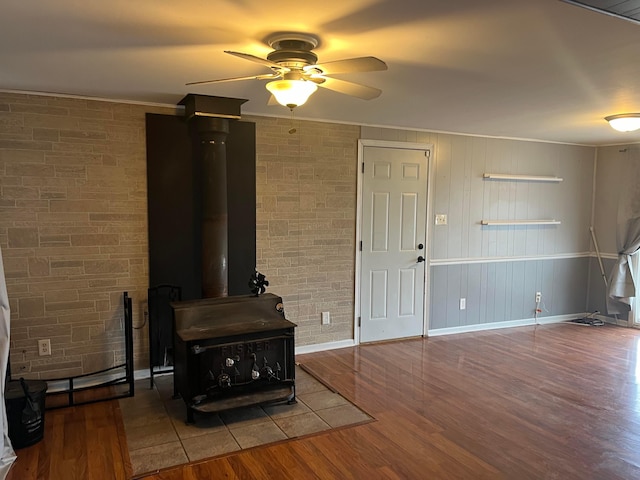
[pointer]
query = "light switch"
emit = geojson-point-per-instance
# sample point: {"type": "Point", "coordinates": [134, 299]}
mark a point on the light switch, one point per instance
{"type": "Point", "coordinates": [441, 218]}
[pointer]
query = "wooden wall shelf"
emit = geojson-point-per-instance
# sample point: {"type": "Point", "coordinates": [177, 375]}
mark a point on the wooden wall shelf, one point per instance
{"type": "Point", "coordinates": [520, 222]}
{"type": "Point", "coordinates": [526, 178]}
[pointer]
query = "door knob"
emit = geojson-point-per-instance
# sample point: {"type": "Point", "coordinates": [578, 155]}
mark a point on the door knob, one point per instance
{"type": "Point", "coordinates": [420, 259]}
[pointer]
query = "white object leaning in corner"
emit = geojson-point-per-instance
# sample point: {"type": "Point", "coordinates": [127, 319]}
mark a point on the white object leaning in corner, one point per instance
{"type": "Point", "coordinates": [8, 455]}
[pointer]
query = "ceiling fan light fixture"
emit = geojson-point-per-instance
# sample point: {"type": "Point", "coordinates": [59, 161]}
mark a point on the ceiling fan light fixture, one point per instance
{"type": "Point", "coordinates": [291, 93]}
{"type": "Point", "coordinates": [624, 122]}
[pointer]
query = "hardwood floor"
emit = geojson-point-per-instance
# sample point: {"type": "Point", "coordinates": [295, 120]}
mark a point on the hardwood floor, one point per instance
{"type": "Point", "coordinates": [83, 442]}
{"type": "Point", "coordinates": [556, 401]}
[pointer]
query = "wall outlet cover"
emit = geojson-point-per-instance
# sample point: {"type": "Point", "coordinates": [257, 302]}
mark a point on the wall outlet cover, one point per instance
{"type": "Point", "coordinates": [441, 219]}
{"type": "Point", "coordinates": [44, 347]}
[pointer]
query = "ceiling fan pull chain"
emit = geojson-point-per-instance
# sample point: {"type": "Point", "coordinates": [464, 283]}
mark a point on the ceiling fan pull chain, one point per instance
{"type": "Point", "coordinates": [292, 130]}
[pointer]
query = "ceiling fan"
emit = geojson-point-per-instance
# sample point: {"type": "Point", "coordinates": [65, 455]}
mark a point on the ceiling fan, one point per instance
{"type": "Point", "coordinates": [295, 73]}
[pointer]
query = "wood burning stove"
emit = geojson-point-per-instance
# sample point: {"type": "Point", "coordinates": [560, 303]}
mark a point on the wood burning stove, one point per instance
{"type": "Point", "coordinates": [228, 350]}
{"type": "Point", "coordinates": [232, 352]}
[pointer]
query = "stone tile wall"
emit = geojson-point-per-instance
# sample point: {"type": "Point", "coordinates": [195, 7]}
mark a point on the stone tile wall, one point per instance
{"type": "Point", "coordinates": [306, 213]}
{"type": "Point", "coordinates": [73, 227]}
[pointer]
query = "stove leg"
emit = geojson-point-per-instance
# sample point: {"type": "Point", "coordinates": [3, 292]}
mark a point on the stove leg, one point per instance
{"type": "Point", "coordinates": [190, 418]}
{"type": "Point", "coordinates": [292, 399]}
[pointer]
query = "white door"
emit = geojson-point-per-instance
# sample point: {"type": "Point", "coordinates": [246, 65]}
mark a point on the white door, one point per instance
{"type": "Point", "coordinates": [394, 208]}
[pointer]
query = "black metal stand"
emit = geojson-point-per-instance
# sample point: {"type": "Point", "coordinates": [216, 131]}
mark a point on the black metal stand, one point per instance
{"type": "Point", "coordinates": [85, 382]}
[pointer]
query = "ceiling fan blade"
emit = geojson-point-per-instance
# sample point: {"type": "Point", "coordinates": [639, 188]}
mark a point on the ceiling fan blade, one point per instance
{"type": "Point", "coordinates": [349, 88]}
{"type": "Point", "coordinates": [349, 65]}
{"type": "Point", "coordinates": [266, 76]}
{"type": "Point", "coordinates": [253, 58]}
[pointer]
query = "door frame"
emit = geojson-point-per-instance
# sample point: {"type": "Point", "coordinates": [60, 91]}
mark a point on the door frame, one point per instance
{"type": "Point", "coordinates": [362, 143]}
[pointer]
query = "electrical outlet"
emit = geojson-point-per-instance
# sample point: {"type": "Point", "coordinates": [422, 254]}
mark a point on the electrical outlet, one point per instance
{"type": "Point", "coordinates": [441, 219]}
{"type": "Point", "coordinates": [538, 297]}
{"type": "Point", "coordinates": [326, 318]}
{"type": "Point", "coordinates": [44, 347]}
{"type": "Point", "coordinates": [463, 303]}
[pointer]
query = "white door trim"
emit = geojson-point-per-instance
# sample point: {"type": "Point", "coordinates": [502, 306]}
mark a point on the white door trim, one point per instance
{"type": "Point", "coordinates": [358, 254]}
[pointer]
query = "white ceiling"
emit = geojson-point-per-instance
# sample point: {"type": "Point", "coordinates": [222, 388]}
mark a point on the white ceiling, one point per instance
{"type": "Point", "coordinates": [538, 69]}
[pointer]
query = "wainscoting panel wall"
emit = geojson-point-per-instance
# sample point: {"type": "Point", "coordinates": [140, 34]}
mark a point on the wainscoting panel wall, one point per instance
{"type": "Point", "coordinates": [498, 269]}
{"type": "Point", "coordinates": [597, 291]}
{"type": "Point", "coordinates": [505, 291]}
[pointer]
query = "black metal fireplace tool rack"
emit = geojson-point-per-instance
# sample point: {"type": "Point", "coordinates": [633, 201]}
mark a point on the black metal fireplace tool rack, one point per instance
{"type": "Point", "coordinates": [121, 374]}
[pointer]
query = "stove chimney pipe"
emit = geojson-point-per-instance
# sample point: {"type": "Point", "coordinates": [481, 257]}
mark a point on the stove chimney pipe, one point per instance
{"type": "Point", "coordinates": [209, 118]}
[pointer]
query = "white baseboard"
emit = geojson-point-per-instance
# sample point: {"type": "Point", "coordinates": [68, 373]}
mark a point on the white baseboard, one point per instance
{"type": "Point", "coordinates": [321, 347]}
{"type": "Point", "coordinates": [511, 323]}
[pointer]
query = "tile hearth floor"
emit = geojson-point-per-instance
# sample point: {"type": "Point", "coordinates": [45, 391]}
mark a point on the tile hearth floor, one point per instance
{"type": "Point", "coordinates": [158, 436]}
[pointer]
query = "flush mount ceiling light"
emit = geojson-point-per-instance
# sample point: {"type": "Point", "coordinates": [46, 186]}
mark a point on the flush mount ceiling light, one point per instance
{"type": "Point", "coordinates": [291, 93]}
{"type": "Point", "coordinates": [624, 122]}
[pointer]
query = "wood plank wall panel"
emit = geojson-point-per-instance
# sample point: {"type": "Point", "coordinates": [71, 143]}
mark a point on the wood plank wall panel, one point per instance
{"type": "Point", "coordinates": [459, 190]}
{"type": "Point", "coordinates": [504, 291]}
{"type": "Point", "coordinates": [475, 201]}
{"type": "Point", "coordinates": [440, 183]}
{"type": "Point", "coordinates": [610, 170]}
{"type": "Point", "coordinates": [597, 292]}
